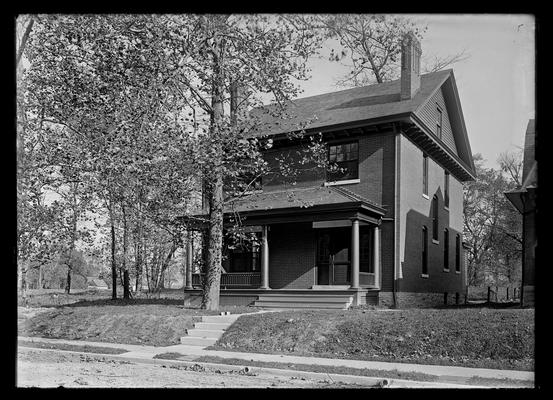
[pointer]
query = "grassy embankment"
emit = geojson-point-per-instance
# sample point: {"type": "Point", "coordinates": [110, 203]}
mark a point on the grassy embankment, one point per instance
{"type": "Point", "coordinates": [482, 338]}
{"type": "Point", "coordinates": [93, 316]}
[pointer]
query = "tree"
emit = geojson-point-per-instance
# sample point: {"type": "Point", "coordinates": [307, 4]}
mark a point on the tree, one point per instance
{"type": "Point", "coordinates": [253, 53]}
{"type": "Point", "coordinates": [492, 228]}
{"type": "Point", "coordinates": [370, 45]}
{"type": "Point", "coordinates": [145, 103]}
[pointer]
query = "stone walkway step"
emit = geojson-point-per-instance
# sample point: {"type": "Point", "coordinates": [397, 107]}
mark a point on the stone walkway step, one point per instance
{"type": "Point", "coordinates": [204, 333]}
{"type": "Point", "coordinates": [211, 325]}
{"type": "Point", "coordinates": [197, 341]}
{"type": "Point", "coordinates": [209, 330]}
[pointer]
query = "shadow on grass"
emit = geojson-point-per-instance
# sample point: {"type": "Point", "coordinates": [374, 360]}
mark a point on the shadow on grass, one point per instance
{"type": "Point", "coordinates": [484, 304]}
{"type": "Point", "coordinates": [127, 302]}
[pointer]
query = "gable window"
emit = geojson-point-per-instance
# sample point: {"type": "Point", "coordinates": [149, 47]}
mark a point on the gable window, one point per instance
{"type": "Point", "coordinates": [435, 217]}
{"type": "Point", "coordinates": [446, 249]}
{"type": "Point", "coordinates": [425, 175]}
{"type": "Point", "coordinates": [446, 189]}
{"type": "Point", "coordinates": [458, 253]}
{"type": "Point", "coordinates": [344, 156]}
{"type": "Point", "coordinates": [439, 122]}
{"type": "Point", "coordinates": [424, 250]}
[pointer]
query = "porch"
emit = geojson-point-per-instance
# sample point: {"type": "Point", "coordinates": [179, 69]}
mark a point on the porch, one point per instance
{"type": "Point", "coordinates": [318, 239]}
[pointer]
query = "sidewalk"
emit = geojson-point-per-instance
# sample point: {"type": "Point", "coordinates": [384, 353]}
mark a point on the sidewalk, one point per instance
{"type": "Point", "coordinates": [452, 376]}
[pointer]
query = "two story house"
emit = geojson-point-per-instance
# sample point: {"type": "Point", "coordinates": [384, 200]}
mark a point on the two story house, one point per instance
{"type": "Point", "coordinates": [386, 227]}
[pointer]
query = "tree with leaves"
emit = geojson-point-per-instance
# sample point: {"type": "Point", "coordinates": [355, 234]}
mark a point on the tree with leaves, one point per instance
{"type": "Point", "coordinates": [492, 228]}
{"type": "Point", "coordinates": [370, 45]}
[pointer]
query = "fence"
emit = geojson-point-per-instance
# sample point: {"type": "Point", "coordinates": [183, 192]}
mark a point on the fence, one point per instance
{"type": "Point", "coordinates": [232, 279]}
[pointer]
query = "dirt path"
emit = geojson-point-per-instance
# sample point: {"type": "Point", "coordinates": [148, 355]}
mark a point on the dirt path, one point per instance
{"type": "Point", "coordinates": [37, 368]}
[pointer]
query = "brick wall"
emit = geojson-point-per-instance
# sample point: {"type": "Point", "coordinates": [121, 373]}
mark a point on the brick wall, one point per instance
{"type": "Point", "coordinates": [415, 211]}
{"type": "Point", "coordinates": [292, 256]}
{"type": "Point", "coordinates": [376, 170]}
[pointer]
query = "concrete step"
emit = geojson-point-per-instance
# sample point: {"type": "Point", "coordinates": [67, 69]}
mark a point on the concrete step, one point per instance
{"type": "Point", "coordinates": [204, 333]}
{"type": "Point", "coordinates": [211, 325]}
{"type": "Point", "coordinates": [276, 304]}
{"type": "Point", "coordinates": [196, 341]}
{"type": "Point", "coordinates": [220, 318]}
{"type": "Point", "coordinates": [307, 299]}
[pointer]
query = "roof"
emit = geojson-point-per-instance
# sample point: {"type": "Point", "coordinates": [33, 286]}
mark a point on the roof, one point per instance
{"type": "Point", "coordinates": [350, 105]}
{"type": "Point", "coordinates": [96, 282]}
{"type": "Point", "coordinates": [529, 166]}
{"type": "Point", "coordinates": [300, 198]}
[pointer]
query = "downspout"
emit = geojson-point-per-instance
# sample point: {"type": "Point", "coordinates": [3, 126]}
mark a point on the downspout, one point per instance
{"type": "Point", "coordinates": [395, 283]}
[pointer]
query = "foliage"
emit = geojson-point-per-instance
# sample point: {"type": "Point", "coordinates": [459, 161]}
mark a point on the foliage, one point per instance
{"type": "Point", "coordinates": [492, 226]}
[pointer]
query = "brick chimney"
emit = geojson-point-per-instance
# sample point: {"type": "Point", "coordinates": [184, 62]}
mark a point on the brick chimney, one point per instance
{"type": "Point", "coordinates": [410, 66]}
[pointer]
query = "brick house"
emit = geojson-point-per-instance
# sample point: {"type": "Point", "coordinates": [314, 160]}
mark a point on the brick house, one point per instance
{"type": "Point", "coordinates": [387, 228]}
{"type": "Point", "coordinates": [524, 199]}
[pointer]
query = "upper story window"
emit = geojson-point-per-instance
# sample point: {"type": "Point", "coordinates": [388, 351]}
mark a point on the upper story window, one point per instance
{"type": "Point", "coordinates": [435, 217]}
{"type": "Point", "coordinates": [446, 189]}
{"type": "Point", "coordinates": [346, 157]}
{"type": "Point", "coordinates": [425, 175]}
{"type": "Point", "coordinates": [446, 249]}
{"type": "Point", "coordinates": [458, 253]}
{"type": "Point", "coordinates": [439, 122]}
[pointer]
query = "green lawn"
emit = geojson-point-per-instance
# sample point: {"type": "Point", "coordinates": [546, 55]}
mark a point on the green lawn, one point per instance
{"type": "Point", "coordinates": [484, 338]}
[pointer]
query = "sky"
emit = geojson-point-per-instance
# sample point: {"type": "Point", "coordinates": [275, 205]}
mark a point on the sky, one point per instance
{"type": "Point", "coordinates": [496, 84]}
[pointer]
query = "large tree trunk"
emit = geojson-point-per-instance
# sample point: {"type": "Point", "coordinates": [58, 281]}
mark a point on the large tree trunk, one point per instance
{"type": "Point", "coordinates": [113, 262]}
{"type": "Point", "coordinates": [126, 283]}
{"type": "Point", "coordinates": [210, 298]}
{"type": "Point", "coordinates": [68, 281]}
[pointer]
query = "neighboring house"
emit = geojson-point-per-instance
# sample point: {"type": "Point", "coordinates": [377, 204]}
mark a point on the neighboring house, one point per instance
{"type": "Point", "coordinates": [524, 199]}
{"type": "Point", "coordinates": [387, 229]}
{"type": "Point", "coordinates": [95, 283]}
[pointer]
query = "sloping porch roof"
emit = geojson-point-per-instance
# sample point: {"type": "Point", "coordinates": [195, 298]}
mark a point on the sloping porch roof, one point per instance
{"type": "Point", "coordinates": [314, 203]}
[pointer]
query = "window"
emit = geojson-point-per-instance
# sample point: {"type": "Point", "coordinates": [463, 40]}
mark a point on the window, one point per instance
{"type": "Point", "coordinates": [439, 122]}
{"type": "Point", "coordinates": [435, 217]}
{"type": "Point", "coordinates": [345, 156]}
{"type": "Point", "coordinates": [446, 189]}
{"type": "Point", "coordinates": [458, 253]}
{"type": "Point", "coordinates": [425, 175]}
{"type": "Point", "coordinates": [424, 250]}
{"type": "Point", "coordinates": [446, 249]}
{"type": "Point", "coordinates": [241, 255]}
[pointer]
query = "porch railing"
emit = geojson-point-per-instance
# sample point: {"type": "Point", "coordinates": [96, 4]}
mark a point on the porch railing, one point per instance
{"type": "Point", "coordinates": [232, 279]}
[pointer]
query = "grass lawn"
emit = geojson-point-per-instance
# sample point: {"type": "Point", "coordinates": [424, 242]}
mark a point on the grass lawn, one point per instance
{"type": "Point", "coordinates": [482, 338]}
{"type": "Point", "coordinates": [93, 316]}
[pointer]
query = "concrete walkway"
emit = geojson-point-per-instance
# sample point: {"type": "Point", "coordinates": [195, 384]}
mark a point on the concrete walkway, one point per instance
{"type": "Point", "coordinates": [446, 375]}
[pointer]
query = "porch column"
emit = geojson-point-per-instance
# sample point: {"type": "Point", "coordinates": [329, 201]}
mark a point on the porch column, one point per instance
{"type": "Point", "coordinates": [355, 253]}
{"type": "Point", "coordinates": [376, 256]}
{"type": "Point", "coordinates": [189, 253]}
{"type": "Point", "coordinates": [264, 259]}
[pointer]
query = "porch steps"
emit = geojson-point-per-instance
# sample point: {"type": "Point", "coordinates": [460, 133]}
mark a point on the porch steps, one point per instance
{"type": "Point", "coordinates": [304, 301]}
{"type": "Point", "coordinates": [208, 331]}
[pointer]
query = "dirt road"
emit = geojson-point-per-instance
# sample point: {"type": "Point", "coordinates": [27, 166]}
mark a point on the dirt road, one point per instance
{"type": "Point", "coordinates": [36, 368]}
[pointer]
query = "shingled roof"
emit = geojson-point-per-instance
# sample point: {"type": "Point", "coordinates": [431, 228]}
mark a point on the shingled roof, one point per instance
{"type": "Point", "coordinates": [300, 198]}
{"type": "Point", "coordinates": [350, 105]}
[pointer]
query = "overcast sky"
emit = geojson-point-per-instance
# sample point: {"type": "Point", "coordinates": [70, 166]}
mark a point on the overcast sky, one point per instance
{"type": "Point", "coordinates": [495, 84]}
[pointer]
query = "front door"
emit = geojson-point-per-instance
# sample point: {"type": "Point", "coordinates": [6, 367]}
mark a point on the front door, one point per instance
{"type": "Point", "coordinates": [333, 260]}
